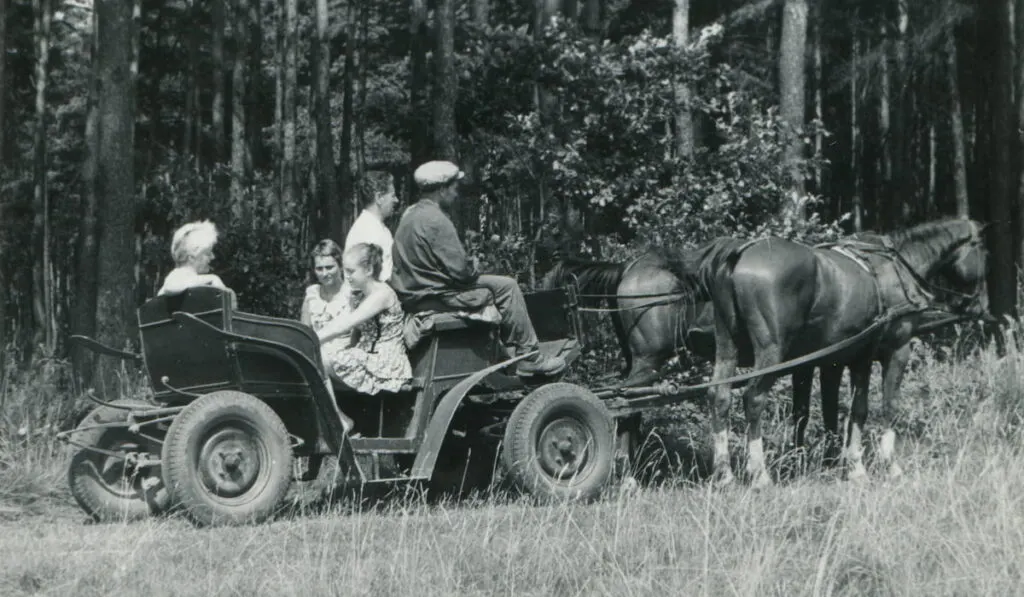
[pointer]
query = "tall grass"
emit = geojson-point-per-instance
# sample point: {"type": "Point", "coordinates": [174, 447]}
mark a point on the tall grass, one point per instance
{"type": "Point", "coordinates": [953, 524]}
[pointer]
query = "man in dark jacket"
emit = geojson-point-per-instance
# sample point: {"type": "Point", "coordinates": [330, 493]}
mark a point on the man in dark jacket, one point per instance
{"type": "Point", "coordinates": [433, 271]}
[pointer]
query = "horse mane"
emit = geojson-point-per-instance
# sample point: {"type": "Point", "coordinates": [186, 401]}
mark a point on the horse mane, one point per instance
{"type": "Point", "coordinates": [698, 268]}
{"type": "Point", "coordinates": [593, 277]}
{"type": "Point", "coordinates": [929, 242]}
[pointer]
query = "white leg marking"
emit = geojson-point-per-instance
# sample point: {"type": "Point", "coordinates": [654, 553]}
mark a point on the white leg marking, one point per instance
{"type": "Point", "coordinates": [759, 476]}
{"type": "Point", "coordinates": [854, 455]}
{"type": "Point", "coordinates": [723, 470]}
{"type": "Point", "coordinates": [886, 453]}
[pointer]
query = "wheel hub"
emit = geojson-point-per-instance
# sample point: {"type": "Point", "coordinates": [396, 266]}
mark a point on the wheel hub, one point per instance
{"type": "Point", "coordinates": [231, 462]}
{"type": "Point", "coordinates": [564, 448]}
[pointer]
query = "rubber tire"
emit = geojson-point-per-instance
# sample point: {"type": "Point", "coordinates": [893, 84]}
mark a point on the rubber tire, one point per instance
{"type": "Point", "coordinates": [184, 443]}
{"type": "Point", "coordinates": [545, 405]}
{"type": "Point", "coordinates": [99, 497]}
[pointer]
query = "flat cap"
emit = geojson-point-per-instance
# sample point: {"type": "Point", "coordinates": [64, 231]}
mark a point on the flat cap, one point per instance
{"type": "Point", "coordinates": [432, 175]}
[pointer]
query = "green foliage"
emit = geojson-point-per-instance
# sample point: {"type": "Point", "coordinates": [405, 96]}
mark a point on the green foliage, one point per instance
{"type": "Point", "coordinates": [608, 150]}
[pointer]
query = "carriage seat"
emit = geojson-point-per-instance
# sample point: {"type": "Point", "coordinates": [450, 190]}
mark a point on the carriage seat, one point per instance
{"type": "Point", "coordinates": [420, 324]}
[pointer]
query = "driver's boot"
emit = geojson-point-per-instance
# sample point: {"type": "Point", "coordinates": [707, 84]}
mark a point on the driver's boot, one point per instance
{"type": "Point", "coordinates": [545, 365]}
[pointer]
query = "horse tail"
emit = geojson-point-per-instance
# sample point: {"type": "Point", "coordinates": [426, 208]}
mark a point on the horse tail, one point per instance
{"type": "Point", "coordinates": [699, 269]}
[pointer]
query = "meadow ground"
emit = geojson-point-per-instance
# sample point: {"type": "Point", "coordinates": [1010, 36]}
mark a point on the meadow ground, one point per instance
{"type": "Point", "coordinates": [953, 524]}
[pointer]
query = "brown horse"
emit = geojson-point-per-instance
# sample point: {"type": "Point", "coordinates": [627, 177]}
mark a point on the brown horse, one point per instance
{"type": "Point", "coordinates": [654, 317]}
{"type": "Point", "coordinates": [776, 300]}
{"type": "Point", "coordinates": [653, 313]}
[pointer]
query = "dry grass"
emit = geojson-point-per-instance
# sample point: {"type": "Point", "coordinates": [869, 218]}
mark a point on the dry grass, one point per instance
{"type": "Point", "coordinates": [952, 525]}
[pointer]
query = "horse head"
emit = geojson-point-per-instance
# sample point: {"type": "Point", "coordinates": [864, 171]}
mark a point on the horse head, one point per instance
{"type": "Point", "coordinates": [950, 254]}
{"type": "Point", "coordinates": [967, 273]}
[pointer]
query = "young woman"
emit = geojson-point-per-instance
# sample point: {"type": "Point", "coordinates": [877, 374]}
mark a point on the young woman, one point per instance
{"type": "Point", "coordinates": [374, 359]}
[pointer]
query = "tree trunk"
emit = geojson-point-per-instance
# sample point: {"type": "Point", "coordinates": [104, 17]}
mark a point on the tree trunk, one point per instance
{"type": "Point", "coordinates": [547, 109]}
{"type": "Point", "coordinates": [239, 131]}
{"type": "Point", "coordinates": [683, 117]}
{"type": "Point", "coordinates": [327, 182]}
{"type": "Point", "coordinates": [856, 149]}
{"type": "Point", "coordinates": [481, 12]}
{"type": "Point", "coordinates": [900, 187]}
{"type": "Point", "coordinates": [792, 84]}
{"type": "Point", "coordinates": [419, 143]}
{"type": "Point", "coordinates": [819, 103]}
{"type": "Point", "coordinates": [289, 178]}
{"type": "Point", "coordinates": [4, 284]}
{"type": "Point", "coordinates": [41, 291]}
{"type": "Point", "coordinates": [1019, 78]}
{"type": "Point", "coordinates": [3, 116]}
{"type": "Point", "coordinates": [591, 17]}
{"type": "Point", "coordinates": [446, 89]}
{"type": "Point", "coordinates": [191, 80]}
{"type": "Point", "coordinates": [254, 54]}
{"type": "Point", "coordinates": [1002, 280]}
{"type": "Point", "coordinates": [279, 69]}
{"type": "Point", "coordinates": [83, 312]}
{"type": "Point", "coordinates": [218, 117]}
{"type": "Point", "coordinates": [115, 308]}
{"type": "Point", "coordinates": [884, 195]}
{"type": "Point", "coordinates": [347, 114]}
{"type": "Point", "coordinates": [963, 208]}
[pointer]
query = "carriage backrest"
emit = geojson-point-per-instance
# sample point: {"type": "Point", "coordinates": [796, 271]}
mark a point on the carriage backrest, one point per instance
{"type": "Point", "coordinates": [189, 360]}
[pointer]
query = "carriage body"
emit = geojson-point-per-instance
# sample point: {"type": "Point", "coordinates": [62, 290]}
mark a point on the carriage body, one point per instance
{"type": "Point", "coordinates": [236, 396]}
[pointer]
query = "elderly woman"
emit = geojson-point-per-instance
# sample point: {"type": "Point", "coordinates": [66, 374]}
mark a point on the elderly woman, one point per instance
{"type": "Point", "coordinates": [192, 251]}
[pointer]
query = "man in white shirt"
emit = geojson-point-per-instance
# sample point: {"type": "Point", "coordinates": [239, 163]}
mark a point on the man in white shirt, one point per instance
{"type": "Point", "coordinates": [377, 193]}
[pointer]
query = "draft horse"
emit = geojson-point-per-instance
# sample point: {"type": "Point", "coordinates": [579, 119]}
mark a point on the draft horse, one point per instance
{"type": "Point", "coordinates": [775, 300]}
{"type": "Point", "coordinates": [655, 313]}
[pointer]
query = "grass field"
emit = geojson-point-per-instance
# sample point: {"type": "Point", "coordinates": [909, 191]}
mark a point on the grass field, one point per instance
{"type": "Point", "coordinates": [952, 525]}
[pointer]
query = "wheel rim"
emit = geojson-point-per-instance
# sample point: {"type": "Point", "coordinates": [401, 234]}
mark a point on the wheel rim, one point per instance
{"type": "Point", "coordinates": [564, 448]}
{"type": "Point", "coordinates": [233, 461]}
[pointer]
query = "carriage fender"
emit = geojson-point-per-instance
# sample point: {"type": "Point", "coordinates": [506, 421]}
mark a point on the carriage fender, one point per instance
{"type": "Point", "coordinates": [437, 429]}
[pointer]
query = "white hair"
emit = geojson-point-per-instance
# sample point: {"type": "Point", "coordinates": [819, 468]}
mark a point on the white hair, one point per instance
{"type": "Point", "coordinates": [192, 239]}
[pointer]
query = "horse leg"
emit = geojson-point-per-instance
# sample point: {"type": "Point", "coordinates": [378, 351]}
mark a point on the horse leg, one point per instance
{"type": "Point", "coordinates": [753, 406]}
{"type": "Point", "coordinates": [620, 335]}
{"type": "Point", "coordinates": [893, 368]}
{"type": "Point", "coordinates": [651, 343]}
{"type": "Point", "coordinates": [831, 377]}
{"type": "Point", "coordinates": [860, 376]}
{"type": "Point", "coordinates": [801, 404]}
{"type": "Point", "coordinates": [721, 397]}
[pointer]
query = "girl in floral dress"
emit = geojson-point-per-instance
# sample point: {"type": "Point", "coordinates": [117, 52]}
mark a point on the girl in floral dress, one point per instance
{"type": "Point", "coordinates": [373, 359]}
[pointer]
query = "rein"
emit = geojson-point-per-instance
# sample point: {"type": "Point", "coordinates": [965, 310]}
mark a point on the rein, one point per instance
{"type": "Point", "coordinates": [672, 392]}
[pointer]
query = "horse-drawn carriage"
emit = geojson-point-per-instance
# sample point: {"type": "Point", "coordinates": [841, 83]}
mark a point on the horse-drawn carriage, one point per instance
{"type": "Point", "coordinates": [236, 397]}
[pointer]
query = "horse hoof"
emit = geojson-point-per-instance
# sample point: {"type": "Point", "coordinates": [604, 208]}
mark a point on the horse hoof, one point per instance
{"type": "Point", "coordinates": [761, 480]}
{"type": "Point", "coordinates": [857, 474]}
{"type": "Point", "coordinates": [723, 478]}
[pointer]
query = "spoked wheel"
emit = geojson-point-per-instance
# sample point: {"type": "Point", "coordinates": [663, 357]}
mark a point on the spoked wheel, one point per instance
{"type": "Point", "coordinates": [114, 473]}
{"type": "Point", "coordinates": [560, 444]}
{"type": "Point", "coordinates": [228, 459]}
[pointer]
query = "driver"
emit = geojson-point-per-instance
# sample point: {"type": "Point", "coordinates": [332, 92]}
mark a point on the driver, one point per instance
{"type": "Point", "coordinates": [432, 270]}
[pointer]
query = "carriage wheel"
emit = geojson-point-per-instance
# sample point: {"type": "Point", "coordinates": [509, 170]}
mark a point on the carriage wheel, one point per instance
{"type": "Point", "coordinates": [228, 459]}
{"type": "Point", "coordinates": [108, 473]}
{"type": "Point", "coordinates": [559, 444]}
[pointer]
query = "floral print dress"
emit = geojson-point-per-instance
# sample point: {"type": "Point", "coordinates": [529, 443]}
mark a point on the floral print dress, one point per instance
{"type": "Point", "coordinates": [378, 361]}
